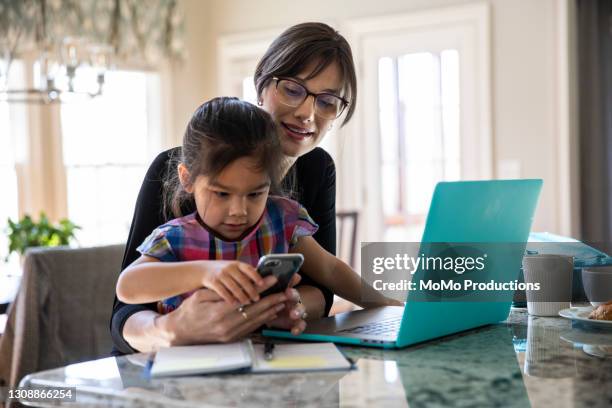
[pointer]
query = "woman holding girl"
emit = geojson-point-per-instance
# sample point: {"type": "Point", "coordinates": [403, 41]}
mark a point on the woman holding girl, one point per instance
{"type": "Point", "coordinates": [305, 70]}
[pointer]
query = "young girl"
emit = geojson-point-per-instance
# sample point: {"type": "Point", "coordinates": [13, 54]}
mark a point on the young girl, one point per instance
{"type": "Point", "coordinates": [231, 161]}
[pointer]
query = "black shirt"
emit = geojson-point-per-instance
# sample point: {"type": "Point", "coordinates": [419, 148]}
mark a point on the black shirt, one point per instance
{"type": "Point", "coordinates": [313, 178]}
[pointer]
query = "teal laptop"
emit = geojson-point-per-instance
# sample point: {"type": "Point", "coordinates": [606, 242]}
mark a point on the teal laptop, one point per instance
{"type": "Point", "coordinates": [492, 212]}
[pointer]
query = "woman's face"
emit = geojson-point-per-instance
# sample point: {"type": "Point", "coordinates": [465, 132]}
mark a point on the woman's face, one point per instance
{"type": "Point", "coordinates": [300, 130]}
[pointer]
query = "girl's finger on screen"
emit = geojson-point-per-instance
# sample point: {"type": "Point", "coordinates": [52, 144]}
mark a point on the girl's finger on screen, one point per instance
{"type": "Point", "coordinates": [234, 288]}
{"type": "Point", "coordinates": [250, 272]}
{"type": "Point", "coordinates": [246, 285]}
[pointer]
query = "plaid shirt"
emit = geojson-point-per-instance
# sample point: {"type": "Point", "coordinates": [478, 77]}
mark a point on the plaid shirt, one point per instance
{"type": "Point", "coordinates": [187, 239]}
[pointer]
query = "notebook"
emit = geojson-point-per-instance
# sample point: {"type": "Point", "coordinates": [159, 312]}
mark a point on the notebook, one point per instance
{"type": "Point", "coordinates": [243, 355]}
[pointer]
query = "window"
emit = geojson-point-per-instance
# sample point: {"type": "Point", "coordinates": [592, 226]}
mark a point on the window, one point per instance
{"type": "Point", "coordinates": [9, 202]}
{"type": "Point", "coordinates": [249, 93]}
{"type": "Point", "coordinates": [12, 130]}
{"type": "Point", "coordinates": [425, 113]}
{"type": "Point", "coordinates": [419, 135]}
{"type": "Point", "coordinates": [108, 143]}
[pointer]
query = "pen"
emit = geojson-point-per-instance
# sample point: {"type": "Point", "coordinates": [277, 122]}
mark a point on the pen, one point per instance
{"type": "Point", "coordinates": [149, 365]}
{"type": "Point", "coordinates": [268, 351]}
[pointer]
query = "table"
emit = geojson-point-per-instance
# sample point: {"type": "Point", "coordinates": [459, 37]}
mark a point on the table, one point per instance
{"type": "Point", "coordinates": [520, 362]}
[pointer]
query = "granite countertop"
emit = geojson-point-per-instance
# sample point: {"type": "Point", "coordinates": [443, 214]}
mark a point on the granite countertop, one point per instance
{"type": "Point", "coordinates": [520, 362]}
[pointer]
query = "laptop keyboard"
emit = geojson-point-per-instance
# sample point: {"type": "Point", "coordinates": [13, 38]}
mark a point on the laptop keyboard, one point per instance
{"type": "Point", "coordinates": [390, 326]}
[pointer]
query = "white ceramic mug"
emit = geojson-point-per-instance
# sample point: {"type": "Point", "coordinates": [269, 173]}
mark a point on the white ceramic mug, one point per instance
{"type": "Point", "coordinates": [554, 275]}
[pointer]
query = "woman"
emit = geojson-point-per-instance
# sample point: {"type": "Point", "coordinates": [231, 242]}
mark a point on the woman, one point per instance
{"type": "Point", "coordinates": [305, 71]}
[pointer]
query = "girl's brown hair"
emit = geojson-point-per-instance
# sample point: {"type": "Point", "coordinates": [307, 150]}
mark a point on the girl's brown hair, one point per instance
{"type": "Point", "coordinates": [292, 51]}
{"type": "Point", "coordinates": [221, 131]}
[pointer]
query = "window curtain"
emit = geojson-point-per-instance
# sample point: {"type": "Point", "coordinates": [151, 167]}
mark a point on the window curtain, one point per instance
{"type": "Point", "coordinates": [142, 32]}
{"type": "Point", "coordinates": [594, 27]}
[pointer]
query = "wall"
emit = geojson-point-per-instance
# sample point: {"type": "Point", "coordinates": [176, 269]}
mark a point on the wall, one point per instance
{"type": "Point", "coordinates": [525, 90]}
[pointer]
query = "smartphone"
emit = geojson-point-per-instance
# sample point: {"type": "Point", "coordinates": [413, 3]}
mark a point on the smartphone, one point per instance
{"type": "Point", "coordinates": [283, 266]}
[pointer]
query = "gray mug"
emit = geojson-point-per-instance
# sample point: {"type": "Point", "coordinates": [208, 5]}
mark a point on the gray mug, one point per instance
{"type": "Point", "coordinates": [553, 274]}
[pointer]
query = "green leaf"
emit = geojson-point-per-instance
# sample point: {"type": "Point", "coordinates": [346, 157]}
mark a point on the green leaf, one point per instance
{"type": "Point", "coordinates": [27, 233]}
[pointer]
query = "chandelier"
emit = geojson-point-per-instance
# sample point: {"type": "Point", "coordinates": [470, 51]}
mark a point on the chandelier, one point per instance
{"type": "Point", "coordinates": [69, 46]}
{"type": "Point", "coordinates": [55, 73]}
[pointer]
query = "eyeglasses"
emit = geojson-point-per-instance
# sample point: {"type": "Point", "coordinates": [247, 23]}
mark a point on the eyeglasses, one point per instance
{"type": "Point", "coordinates": [292, 93]}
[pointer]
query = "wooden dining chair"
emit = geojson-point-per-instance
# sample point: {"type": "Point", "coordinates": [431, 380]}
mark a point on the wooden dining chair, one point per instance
{"type": "Point", "coordinates": [347, 223]}
{"type": "Point", "coordinates": [346, 236]}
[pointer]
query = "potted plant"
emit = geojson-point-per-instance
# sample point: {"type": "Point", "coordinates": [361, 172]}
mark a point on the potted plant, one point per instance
{"type": "Point", "coordinates": [27, 233]}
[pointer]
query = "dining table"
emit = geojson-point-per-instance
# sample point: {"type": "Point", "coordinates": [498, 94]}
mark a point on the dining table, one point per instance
{"type": "Point", "coordinates": [520, 362]}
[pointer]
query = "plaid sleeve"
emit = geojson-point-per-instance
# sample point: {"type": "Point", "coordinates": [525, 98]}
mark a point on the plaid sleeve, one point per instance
{"type": "Point", "coordinates": [304, 226]}
{"type": "Point", "coordinates": [157, 246]}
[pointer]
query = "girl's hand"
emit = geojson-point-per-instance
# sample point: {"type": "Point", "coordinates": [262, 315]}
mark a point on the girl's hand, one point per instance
{"type": "Point", "coordinates": [236, 282]}
{"type": "Point", "coordinates": [293, 316]}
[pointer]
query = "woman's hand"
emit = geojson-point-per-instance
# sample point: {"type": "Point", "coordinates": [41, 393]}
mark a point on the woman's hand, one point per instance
{"type": "Point", "coordinates": [293, 316]}
{"type": "Point", "coordinates": [205, 317]}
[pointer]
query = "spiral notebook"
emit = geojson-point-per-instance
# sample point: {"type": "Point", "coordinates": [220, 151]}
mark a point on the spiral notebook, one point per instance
{"type": "Point", "coordinates": [244, 356]}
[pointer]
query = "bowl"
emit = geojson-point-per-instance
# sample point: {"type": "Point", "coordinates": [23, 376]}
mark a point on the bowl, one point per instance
{"type": "Point", "coordinates": [597, 282]}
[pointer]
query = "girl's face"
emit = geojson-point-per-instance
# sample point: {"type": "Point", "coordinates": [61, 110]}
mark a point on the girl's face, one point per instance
{"type": "Point", "coordinates": [233, 202]}
{"type": "Point", "coordinates": [300, 130]}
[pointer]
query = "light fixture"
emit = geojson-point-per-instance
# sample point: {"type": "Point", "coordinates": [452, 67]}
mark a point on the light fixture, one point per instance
{"type": "Point", "coordinates": [57, 73]}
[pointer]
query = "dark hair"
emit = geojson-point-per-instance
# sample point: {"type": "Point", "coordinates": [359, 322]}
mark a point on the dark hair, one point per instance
{"type": "Point", "coordinates": [221, 131]}
{"type": "Point", "coordinates": [302, 44]}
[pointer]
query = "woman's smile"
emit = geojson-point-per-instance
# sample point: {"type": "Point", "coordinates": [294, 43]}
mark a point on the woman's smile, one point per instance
{"type": "Point", "coordinates": [296, 133]}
